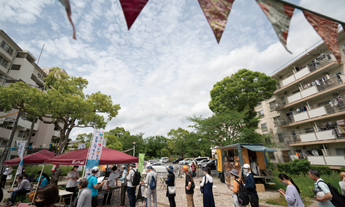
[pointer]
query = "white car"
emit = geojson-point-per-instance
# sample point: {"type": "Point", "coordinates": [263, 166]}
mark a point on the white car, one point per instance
{"type": "Point", "coordinates": [185, 161]}
{"type": "Point", "coordinates": [164, 159]}
{"type": "Point", "coordinates": [159, 167]}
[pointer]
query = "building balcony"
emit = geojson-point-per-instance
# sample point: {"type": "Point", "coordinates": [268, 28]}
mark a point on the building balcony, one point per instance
{"type": "Point", "coordinates": [337, 161]}
{"type": "Point", "coordinates": [5, 133]}
{"type": "Point", "coordinates": [328, 62]}
{"type": "Point", "coordinates": [311, 92]}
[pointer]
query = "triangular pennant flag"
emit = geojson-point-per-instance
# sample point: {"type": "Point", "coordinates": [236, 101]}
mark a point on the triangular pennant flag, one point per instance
{"type": "Point", "coordinates": [131, 9]}
{"type": "Point", "coordinates": [217, 13]}
{"type": "Point", "coordinates": [67, 6]}
{"type": "Point", "coordinates": [328, 31]}
{"type": "Point", "coordinates": [280, 16]}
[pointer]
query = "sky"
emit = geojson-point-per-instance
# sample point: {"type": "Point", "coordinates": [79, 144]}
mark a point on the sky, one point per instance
{"type": "Point", "coordinates": [161, 70]}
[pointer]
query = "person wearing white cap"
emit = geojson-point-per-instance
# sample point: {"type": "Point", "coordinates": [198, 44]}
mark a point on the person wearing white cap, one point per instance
{"type": "Point", "coordinates": [93, 185]}
{"type": "Point", "coordinates": [250, 186]}
{"type": "Point", "coordinates": [151, 175]}
{"type": "Point", "coordinates": [8, 171]}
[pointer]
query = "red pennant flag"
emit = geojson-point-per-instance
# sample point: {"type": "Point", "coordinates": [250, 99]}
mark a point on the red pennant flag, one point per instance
{"type": "Point", "coordinates": [67, 6]}
{"type": "Point", "coordinates": [280, 16]}
{"type": "Point", "coordinates": [131, 9]}
{"type": "Point", "coordinates": [216, 13]}
{"type": "Point", "coordinates": [328, 31]}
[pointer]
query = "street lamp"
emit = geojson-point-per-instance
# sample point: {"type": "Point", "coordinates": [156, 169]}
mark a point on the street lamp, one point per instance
{"type": "Point", "coordinates": [134, 149]}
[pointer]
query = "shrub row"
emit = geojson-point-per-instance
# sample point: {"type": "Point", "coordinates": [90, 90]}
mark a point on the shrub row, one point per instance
{"type": "Point", "coordinates": [301, 166]}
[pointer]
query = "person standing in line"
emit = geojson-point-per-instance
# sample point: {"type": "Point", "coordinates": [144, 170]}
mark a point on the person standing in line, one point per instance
{"type": "Point", "coordinates": [193, 169]}
{"type": "Point", "coordinates": [123, 186]}
{"type": "Point", "coordinates": [250, 186]}
{"type": "Point", "coordinates": [342, 183]}
{"type": "Point", "coordinates": [292, 194]}
{"type": "Point", "coordinates": [207, 183]}
{"type": "Point", "coordinates": [94, 186]}
{"type": "Point", "coordinates": [144, 187]}
{"type": "Point", "coordinates": [325, 200]}
{"type": "Point", "coordinates": [72, 177]}
{"type": "Point", "coordinates": [55, 175]}
{"type": "Point", "coordinates": [171, 182]}
{"type": "Point", "coordinates": [7, 172]}
{"type": "Point", "coordinates": [110, 184]}
{"type": "Point", "coordinates": [117, 174]}
{"type": "Point", "coordinates": [151, 175]}
{"type": "Point", "coordinates": [130, 187]}
{"type": "Point", "coordinates": [235, 188]}
{"type": "Point", "coordinates": [189, 185]}
{"type": "Point", "coordinates": [85, 195]}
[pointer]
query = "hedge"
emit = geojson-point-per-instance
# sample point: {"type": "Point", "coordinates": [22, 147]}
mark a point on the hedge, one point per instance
{"type": "Point", "coordinates": [301, 166]}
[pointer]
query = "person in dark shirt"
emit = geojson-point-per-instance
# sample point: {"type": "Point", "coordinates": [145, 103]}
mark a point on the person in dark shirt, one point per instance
{"type": "Point", "coordinates": [250, 186]}
{"type": "Point", "coordinates": [189, 187]}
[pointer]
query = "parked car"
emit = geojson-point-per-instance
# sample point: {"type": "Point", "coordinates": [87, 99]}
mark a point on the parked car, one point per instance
{"type": "Point", "coordinates": [202, 162]}
{"type": "Point", "coordinates": [164, 159]}
{"type": "Point", "coordinates": [211, 164]}
{"type": "Point", "coordinates": [159, 167]}
{"type": "Point", "coordinates": [198, 159]}
{"type": "Point", "coordinates": [150, 162]}
{"type": "Point", "coordinates": [177, 160]}
{"type": "Point", "coordinates": [185, 161]}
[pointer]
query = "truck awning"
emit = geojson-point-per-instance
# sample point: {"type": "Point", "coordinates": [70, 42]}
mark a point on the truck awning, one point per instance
{"type": "Point", "coordinates": [258, 148]}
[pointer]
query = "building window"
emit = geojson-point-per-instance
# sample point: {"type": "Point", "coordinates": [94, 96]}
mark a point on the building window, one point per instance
{"type": "Point", "coordinates": [7, 48]}
{"type": "Point", "coordinates": [264, 127]}
{"type": "Point", "coordinates": [340, 151]}
{"type": "Point", "coordinates": [15, 67]}
{"type": "Point", "coordinates": [271, 155]}
{"type": "Point", "coordinates": [20, 133]}
{"type": "Point", "coordinates": [3, 62]}
{"type": "Point", "coordinates": [281, 137]}
{"type": "Point", "coordinates": [1, 109]}
{"type": "Point", "coordinates": [40, 76]}
{"type": "Point", "coordinates": [309, 130]}
{"type": "Point", "coordinates": [3, 142]}
{"type": "Point", "coordinates": [261, 114]}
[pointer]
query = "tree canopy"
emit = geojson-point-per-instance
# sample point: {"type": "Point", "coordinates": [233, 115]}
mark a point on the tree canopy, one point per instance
{"type": "Point", "coordinates": [63, 103]}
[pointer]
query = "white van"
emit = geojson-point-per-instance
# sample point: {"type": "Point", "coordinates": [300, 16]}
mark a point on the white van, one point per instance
{"type": "Point", "coordinates": [164, 159]}
{"type": "Point", "coordinates": [198, 159]}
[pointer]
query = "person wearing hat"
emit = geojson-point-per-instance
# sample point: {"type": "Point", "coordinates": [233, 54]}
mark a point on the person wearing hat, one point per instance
{"type": "Point", "coordinates": [171, 182]}
{"type": "Point", "coordinates": [250, 186]}
{"type": "Point", "coordinates": [207, 183]}
{"type": "Point", "coordinates": [72, 177]}
{"type": "Point", "coordinates": [130, 187]}
{"type": "Point", "coordinates": [151, 175]}
{"type": "Point", "coordinates": [235, 187]}
{"type": "Point", "coordinates": [123, 180]}
{"type": "Point", "coordinates": [93, 186]}
{"type": "Point", "coordinates": [189, 185]}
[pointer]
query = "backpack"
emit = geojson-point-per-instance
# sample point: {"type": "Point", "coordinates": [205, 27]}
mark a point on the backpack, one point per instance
{"type": "Point", "coordinates": [136, 178]}
{"type": "Point", "coordinates": [242, 194]}
{"type": "Point", "coordinates": [193, 184]}
{"type": "Point", "coordinates": [338, 199]}
{"type": "Point", "coordinates": [153, 183]}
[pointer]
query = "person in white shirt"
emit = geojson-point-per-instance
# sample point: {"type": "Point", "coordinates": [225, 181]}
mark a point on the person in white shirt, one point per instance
{"type": "Point", "coordinates": [72, 177]}
{"type": "Point", "coordinates": [8, 171]}
{"type": "Point", "coordinates": [149, 192]}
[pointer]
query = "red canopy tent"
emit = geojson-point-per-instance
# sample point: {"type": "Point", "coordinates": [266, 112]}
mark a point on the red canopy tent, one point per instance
{"type": "Point", "coordinates": [33, 159]}
{"type": "Point", "coordinates": [78, 157]}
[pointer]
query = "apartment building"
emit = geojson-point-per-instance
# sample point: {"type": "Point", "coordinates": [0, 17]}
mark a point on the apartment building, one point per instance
{"type": "Point", "coordinates": [19, 65]}
{"type": "Point", "coordinates": [306, 115]}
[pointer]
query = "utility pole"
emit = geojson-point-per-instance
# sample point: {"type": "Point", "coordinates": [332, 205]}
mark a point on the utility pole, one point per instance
{"type": "Point", "coordinates": [134, 149]}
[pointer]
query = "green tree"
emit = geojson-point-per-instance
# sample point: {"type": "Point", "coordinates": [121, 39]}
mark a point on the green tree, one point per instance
{"type": "Point", "coordinates": [84, 138]}
{"type": "Point", "coordinates": [63, 104]}
{"type": "Point", "coordinates": [178, 143]}
{"type": "Point", "coordinates": [113, 142]}
{"type": "Point", "coordinates": [127, 140]}
{"type": "Point", "coordinates": [242, 90]}
{"type": "Point", "coordinates": [154, 146]}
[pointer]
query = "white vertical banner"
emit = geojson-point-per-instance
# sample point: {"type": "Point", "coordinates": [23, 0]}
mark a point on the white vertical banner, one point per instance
{"type": "Point", "coordinates": [95, 150]}
{"type": "Point", "coordinates": [21, 148]}
{"type": "Point", "coordinates": [81, 146]}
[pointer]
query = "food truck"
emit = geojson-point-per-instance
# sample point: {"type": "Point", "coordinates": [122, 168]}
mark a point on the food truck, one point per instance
{"type": "Point", "coordinates": [236, 155]}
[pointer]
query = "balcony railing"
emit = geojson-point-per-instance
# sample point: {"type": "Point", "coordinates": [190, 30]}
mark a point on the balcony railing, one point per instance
{"type": "Point", "coordinates": [302, 138]}
{"type": "Point", "coordinates": [305, 70]}
{"type": "Point", "coordinates": [312, 90]}
{"type": "Point", "coordinates": [327, 160]}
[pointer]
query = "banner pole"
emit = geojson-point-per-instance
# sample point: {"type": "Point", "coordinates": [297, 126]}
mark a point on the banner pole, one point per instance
{"type": "Point", "coordinates": [33, 199]}
{"type": "Point", "coordinates": [14, 181]}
